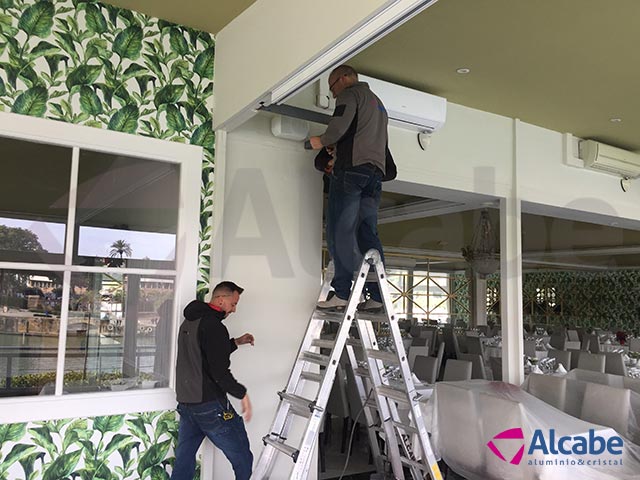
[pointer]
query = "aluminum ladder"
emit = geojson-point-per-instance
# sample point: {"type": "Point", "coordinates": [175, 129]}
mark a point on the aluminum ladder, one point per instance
{"type": "Point", "coordinates": [380, 403]}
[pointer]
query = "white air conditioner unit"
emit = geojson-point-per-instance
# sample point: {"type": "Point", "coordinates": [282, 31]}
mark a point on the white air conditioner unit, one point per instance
{"type": "Point", "coordinates": [409, 108]}
{"type": "Point", "coordinates": [610, 159]}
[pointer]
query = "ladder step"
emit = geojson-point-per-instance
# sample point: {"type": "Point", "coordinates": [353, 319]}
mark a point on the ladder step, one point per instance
{"type": "Point", "coordinates": [328, 316]}
{"type": "Point", "coordinates": [312, 377]}
{"type": "Point", "coordinates": [405, 428]}
{"type": "Point", "coordinates": [282, 447]}
{"type": "Point", "coordinates": [413, 463]}
{"type": "Point", "coordinates": [393, 393]}
{"type": "Point", "coordinates": [354, 342]}
{"type": "Point", "coordinates": [361, 372]}
{"type": "Point", "coordinates": [373, 317]}
{"type": "Point", "coordinates": [387, 357]}
{"type": "Point", "coordinates": [299, 402]}
{"type": "Point", "coordinates": [371, 403]}
{"type": "Point", "coordinates": [323, 343]}
{"type": "Point", "coordinates": [316, 358]}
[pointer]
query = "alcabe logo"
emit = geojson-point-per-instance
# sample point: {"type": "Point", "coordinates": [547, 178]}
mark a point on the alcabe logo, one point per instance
{"type": "Point", "coordinates": [574, 448]}
{"type": "Point", "coordinates": [511, 434]}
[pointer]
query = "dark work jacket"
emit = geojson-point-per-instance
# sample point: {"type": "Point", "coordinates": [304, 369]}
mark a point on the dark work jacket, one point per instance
{"type": "Point", "coordinates": [358, 128]}
{"type": "Point", "coordinates": [204, 347]}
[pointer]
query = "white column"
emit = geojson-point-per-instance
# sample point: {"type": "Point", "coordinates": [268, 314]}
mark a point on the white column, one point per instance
{"type": "Point", "coordinates": [478, 300]}
{"type": "Point", "coordinates": [268, 240]}
{"type": "Point", "coordinates": [511, 278]}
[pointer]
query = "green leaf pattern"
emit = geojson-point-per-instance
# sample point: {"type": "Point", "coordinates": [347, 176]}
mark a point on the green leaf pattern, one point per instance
{"type": "Point", "coordinates": [97, 65]}
{"type": "Point", "coordinates": [115, 447]}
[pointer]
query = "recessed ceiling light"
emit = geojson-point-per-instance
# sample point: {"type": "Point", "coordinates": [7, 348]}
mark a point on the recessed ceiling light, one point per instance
{"type": "Point", "coordinates": [463, 71]}
{"type": "Point", "coordinates": [615, 120]}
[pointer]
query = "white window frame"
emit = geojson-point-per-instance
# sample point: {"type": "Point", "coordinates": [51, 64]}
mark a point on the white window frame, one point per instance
{"type": "Point", "coordinates": [189, 157]}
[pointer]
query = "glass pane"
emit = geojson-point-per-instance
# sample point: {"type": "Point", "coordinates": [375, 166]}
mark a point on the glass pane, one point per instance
{"type": "Point", "coordinates": [34, 201]}
{"type": "Point", "coordinates": [127, 211]}
{"type": "Point", "coordinates": [29, 329]}
{"type": "Point", "coordinates": [119, 332]}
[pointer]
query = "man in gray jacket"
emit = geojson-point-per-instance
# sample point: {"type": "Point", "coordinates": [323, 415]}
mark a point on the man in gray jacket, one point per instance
{"type": "Point", "coordinates": [358, 129]}
{"type": "Point", "coordinates": [203, 381]}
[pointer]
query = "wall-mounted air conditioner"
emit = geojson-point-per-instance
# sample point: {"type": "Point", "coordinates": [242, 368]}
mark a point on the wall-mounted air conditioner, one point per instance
{"type": "Point", "coordinates": [409, 108]}
{"type": "Point", "coordinates": [610, 159]}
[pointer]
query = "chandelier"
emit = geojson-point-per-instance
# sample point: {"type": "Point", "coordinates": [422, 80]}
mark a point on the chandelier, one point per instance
{"type": "Point", "coordinates": [481, 255]}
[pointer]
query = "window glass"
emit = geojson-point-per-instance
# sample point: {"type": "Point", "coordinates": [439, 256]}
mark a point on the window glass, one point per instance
{"type": "Point", "coordinates": [34, 201]}
{"type": "Point", "coordinates": [29, 329]}
{"type": "Point", "coordinates": [127, 211]}
{"type": "Point", "coordinates": [119, 333]}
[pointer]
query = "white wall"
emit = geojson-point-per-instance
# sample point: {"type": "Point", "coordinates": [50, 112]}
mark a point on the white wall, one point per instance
{"type": "Point", "coordinates": [249, 61]}
{"type": "Point", "coordinates": [269, 242]}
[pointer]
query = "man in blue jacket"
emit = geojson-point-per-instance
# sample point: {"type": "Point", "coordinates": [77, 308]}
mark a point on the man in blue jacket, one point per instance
{"type": "Point", "coordinates": [358, 129]}
{"type": "Point", "coordinates": [203, 380]}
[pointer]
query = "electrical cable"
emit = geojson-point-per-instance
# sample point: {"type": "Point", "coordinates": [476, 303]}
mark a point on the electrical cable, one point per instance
{"type": "Point", "coordinates": [353, 430]}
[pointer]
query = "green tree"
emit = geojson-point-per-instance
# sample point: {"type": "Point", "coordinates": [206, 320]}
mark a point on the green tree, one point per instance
{"type": "Point", "coordinates": [19, 240]}
{"type": "Point", "coordinates": [120, 249]}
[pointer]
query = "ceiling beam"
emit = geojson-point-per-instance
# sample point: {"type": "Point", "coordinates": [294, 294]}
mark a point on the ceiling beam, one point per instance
{"type": "Point", "coordinates": [591, 252]}
{"type": "Point", "coordinates": [422, 209]}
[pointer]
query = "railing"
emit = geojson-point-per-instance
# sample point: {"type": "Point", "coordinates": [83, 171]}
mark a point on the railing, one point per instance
{"type": "Point", "coordinates": [12, 354]}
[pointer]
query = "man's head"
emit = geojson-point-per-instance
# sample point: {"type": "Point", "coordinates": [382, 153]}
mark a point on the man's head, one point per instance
{"type": "Point", "coordinates": [340, 78]}
{"type": "Point", "coordinates": [226, 296]}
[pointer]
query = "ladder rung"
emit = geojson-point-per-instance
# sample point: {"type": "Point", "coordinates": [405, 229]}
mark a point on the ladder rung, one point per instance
{"type": "Point", "coordinates": [393, 393]}
{"type": "Point", "coordinates": [371, 403]}
{"type": "Point", "coordinates": [315, 358]}
{"type": "Point", "coordinates": [354, 342]}
{"type": "Point", "coordinates": [300, 402]}
{"type": "Point", "coordinates": [282, 447]}
{"type": "Point", "coordinates": [373, 317]}
{"type": "Point", "coordinates": [326, 316]}
{"type": "Point", "coordinates": [300, 412]}
{"type": "Point", "coordinates": [413, 463]}
{"type": "Point", "coordinates": [361, 372]}
{"type": "Point", "coordinates": [312, 377]}
{"type": "Point", "coordinates": [387, 357]}
{"type": "Point", "coordinates": [323, 343]}
{"type": "Point", "coordinates": [405, 428]}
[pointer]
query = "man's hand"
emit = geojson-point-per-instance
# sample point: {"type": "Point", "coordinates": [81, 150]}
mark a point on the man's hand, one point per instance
{"type": "Point", "coordinates": [315, 142]}
{"type": "Point", "coordinates": [246, 408]}
{"type": "Point", "coordinates": [244, 339]}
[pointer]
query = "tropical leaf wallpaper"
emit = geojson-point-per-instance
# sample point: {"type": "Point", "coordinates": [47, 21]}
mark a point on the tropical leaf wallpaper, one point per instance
{"type": "Point", "coordinates": [107, 448]}
{"type": "Point", "coordinates": [88, 63]}
{"type": "Point", "coordinates": [607, 300]}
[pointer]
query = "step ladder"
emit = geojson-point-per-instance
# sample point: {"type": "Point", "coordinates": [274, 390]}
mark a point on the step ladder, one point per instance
{"type": "Point", "coordinates": [380, 396]}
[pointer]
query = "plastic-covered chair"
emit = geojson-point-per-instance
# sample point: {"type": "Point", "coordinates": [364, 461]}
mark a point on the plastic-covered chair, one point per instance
{"type": "Point", "coordinates": [474, 346]}
{"type": "Point", "coordinates": [496, 368]}
{"type": "Point", "coordinates": [614, 364]}
{"type": "Point", "coordinates": [573, 336]}
{"type": "Point", "coordinates": [634, 344]}
{"type": "Point", "coordinates": [530, 348]}
{"type": "Point", "coordinates": [609, 406]}
{"type": "Point", "coordinates": [562, 357]}
{"type": "Point", "coordinates": [594, 344]}
{"type": "Point", "coordinates": [592, 361]}
{"type": "Point", "coordinates": [457, 370]}
{"type": "Point", "coordinates": [477, 369]}
{"type": "Point", "coordinates": [414, 352]}
{"type": "Point", "coordinates": [549, 389]}
{"type": "Point", "coordinates": [426, 368]}
{"type": "Point", "coordinates": [575, 357]}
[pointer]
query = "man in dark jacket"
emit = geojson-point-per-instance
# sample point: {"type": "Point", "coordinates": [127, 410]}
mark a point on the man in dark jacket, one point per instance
{"type": "Point", "coordinates": [358, 129]}
{"type": "Point", "coordinates": [203, 380]}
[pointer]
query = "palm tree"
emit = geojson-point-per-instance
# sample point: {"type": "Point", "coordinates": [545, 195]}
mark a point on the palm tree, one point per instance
{"type": "Point", "coordinates": [120, 248]}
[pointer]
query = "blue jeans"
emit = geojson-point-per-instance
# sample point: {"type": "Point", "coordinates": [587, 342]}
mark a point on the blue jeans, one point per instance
{"type": "Point", "coordinates": [205, 420]}
{"type": "Point", "coordinates": [354, 197]}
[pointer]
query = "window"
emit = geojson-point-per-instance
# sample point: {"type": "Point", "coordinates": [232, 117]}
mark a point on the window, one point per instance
{"type": "Point", "coordinates": [421, 295]}
{"type": "Point", "coordinates": [90, 241]}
